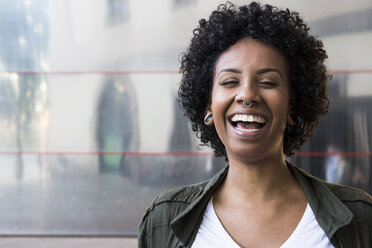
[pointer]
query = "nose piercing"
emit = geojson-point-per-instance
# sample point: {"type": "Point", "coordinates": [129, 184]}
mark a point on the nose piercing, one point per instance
{"type": "Point", "coordinates": [248, 105]}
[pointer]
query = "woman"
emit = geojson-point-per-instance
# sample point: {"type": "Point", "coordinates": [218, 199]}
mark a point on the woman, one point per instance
{"type": "Point", "coordinates": [254, 87]}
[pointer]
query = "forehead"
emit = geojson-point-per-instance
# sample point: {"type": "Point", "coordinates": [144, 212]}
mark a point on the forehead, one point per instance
{"type": "Point", "coordinates": [248, 54]}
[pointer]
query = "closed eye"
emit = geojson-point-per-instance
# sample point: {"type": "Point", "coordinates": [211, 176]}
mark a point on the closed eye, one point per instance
{"type": "Point", "coordinates": [268, 84]}
{"type": "Point", "coordinates": [229, 83]}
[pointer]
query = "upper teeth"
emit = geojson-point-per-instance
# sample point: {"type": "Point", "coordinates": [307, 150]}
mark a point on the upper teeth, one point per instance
{"type": "Point", "coordinates": [248, 118]}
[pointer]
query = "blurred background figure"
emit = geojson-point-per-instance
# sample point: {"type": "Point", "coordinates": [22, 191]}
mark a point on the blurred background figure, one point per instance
{"type": "Point", "coordinates": [336, 167]}
{"type": "Point", "coordinates": [117, 125]}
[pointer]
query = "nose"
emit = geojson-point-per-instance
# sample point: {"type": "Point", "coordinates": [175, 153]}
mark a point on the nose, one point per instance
{"type": "Point", "coordinates": [247, 92]}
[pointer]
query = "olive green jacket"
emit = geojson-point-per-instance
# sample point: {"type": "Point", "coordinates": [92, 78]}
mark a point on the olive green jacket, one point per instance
{"type": "Point", "coordinates": [174, 217]}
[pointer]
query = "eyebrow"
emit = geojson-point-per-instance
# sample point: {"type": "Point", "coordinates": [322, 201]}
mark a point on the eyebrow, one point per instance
{"type": "Point", "coordinates": [261, 71]}
{"type": "Point", "coordinates": [230, 70]}
{"type": "Point", "coordinates": [264, 70]}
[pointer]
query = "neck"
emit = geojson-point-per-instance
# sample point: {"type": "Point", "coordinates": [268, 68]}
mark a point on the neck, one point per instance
{"type": "Point", "coordinates": [260, 181]}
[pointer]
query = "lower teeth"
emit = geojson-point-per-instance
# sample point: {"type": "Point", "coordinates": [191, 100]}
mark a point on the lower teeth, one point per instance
{"type": "Point", "coordinates": [247, 130]}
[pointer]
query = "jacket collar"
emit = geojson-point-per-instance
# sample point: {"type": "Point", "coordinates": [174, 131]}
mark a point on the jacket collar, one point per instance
{"type": "Point", "coordinates": [329, 211]}
{"type": "Point", "coordinates": [185, 226]}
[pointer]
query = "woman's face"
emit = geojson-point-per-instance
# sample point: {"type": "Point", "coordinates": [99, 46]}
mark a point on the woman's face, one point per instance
{"type": "Point", "coordinates": [251, 71]}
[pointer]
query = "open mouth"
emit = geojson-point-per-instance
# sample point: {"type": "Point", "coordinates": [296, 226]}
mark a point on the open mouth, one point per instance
{"type": "Point", "coordinates": [247, 122]}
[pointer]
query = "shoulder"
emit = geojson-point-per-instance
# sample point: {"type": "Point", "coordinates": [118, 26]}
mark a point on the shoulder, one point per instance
{"type": "Point", "coordinates": [342, 192]}
{"type": "Point", "coordinates": [169, 203]}
{"type": "Point", "coordinates": [358, 201]}
{"type": "Point", "coordinates": [180, 207]}
{"type": "Point", "coordinates": [349, 194]}
{"type": "Point", "coordinates": [164, 209]}
{"type": "Point", "coordinates": [179, 196]}
{"type": "Point", "coordinates": [184, 194]}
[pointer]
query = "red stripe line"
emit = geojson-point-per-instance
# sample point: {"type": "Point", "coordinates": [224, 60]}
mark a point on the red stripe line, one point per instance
{"type": "Point", "coordinates": [330, 154]}
{"type": "Point", "coordinates": [88, 72]}
{"type": "Point", "coordinates": [129, 153]}
{"type": "Point", "coordinates": [364, 71]}
{"type": "Point", "coordinates": [95, 153]}
{"type": "Point", "coordinates": [350, 71]}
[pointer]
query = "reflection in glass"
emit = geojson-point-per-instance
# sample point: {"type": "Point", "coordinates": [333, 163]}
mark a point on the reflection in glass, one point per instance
{"type": "Point", "coordinates": [117, 127]}
{"type": "Point", "coordinates": [24, 46]}
{"type": "Point", "coordinates": [117, 11]}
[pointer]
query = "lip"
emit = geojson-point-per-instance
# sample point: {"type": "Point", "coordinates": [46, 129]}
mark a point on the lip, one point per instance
{"type": "Point", "coordinates": [245, 133]}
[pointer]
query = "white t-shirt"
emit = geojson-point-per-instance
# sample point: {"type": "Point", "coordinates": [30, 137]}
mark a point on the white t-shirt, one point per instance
{"type": "Point", "coordinates": [308, 233]}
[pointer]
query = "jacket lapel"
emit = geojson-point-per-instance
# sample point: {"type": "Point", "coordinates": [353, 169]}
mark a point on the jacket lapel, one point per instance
{"type": "Point", "coordinates": [329, 211]}
{"type": "Point", "coordinates": [185, 226]}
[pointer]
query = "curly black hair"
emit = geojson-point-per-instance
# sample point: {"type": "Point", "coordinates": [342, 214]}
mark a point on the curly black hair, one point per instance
{"type": "Point", "coordinates": [284, 30]}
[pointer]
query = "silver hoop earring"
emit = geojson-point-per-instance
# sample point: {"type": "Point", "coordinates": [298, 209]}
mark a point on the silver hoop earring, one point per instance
{"type": "Point", "coordinates": [248, 105]}
{"type": "Point", "coordinates": [208, 118]}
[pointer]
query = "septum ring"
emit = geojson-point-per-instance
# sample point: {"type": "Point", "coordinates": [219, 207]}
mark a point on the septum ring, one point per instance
{"type": "Point", "coordinates": [248, 105]}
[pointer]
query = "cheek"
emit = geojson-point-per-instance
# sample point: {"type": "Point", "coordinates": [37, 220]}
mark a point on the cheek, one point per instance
{"type": "Point", "coordinates": [282, 109]}
{"type": "Point", "coordinates": [220, 105]}
{"type": "Point", "coordinates": [220, 102]}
